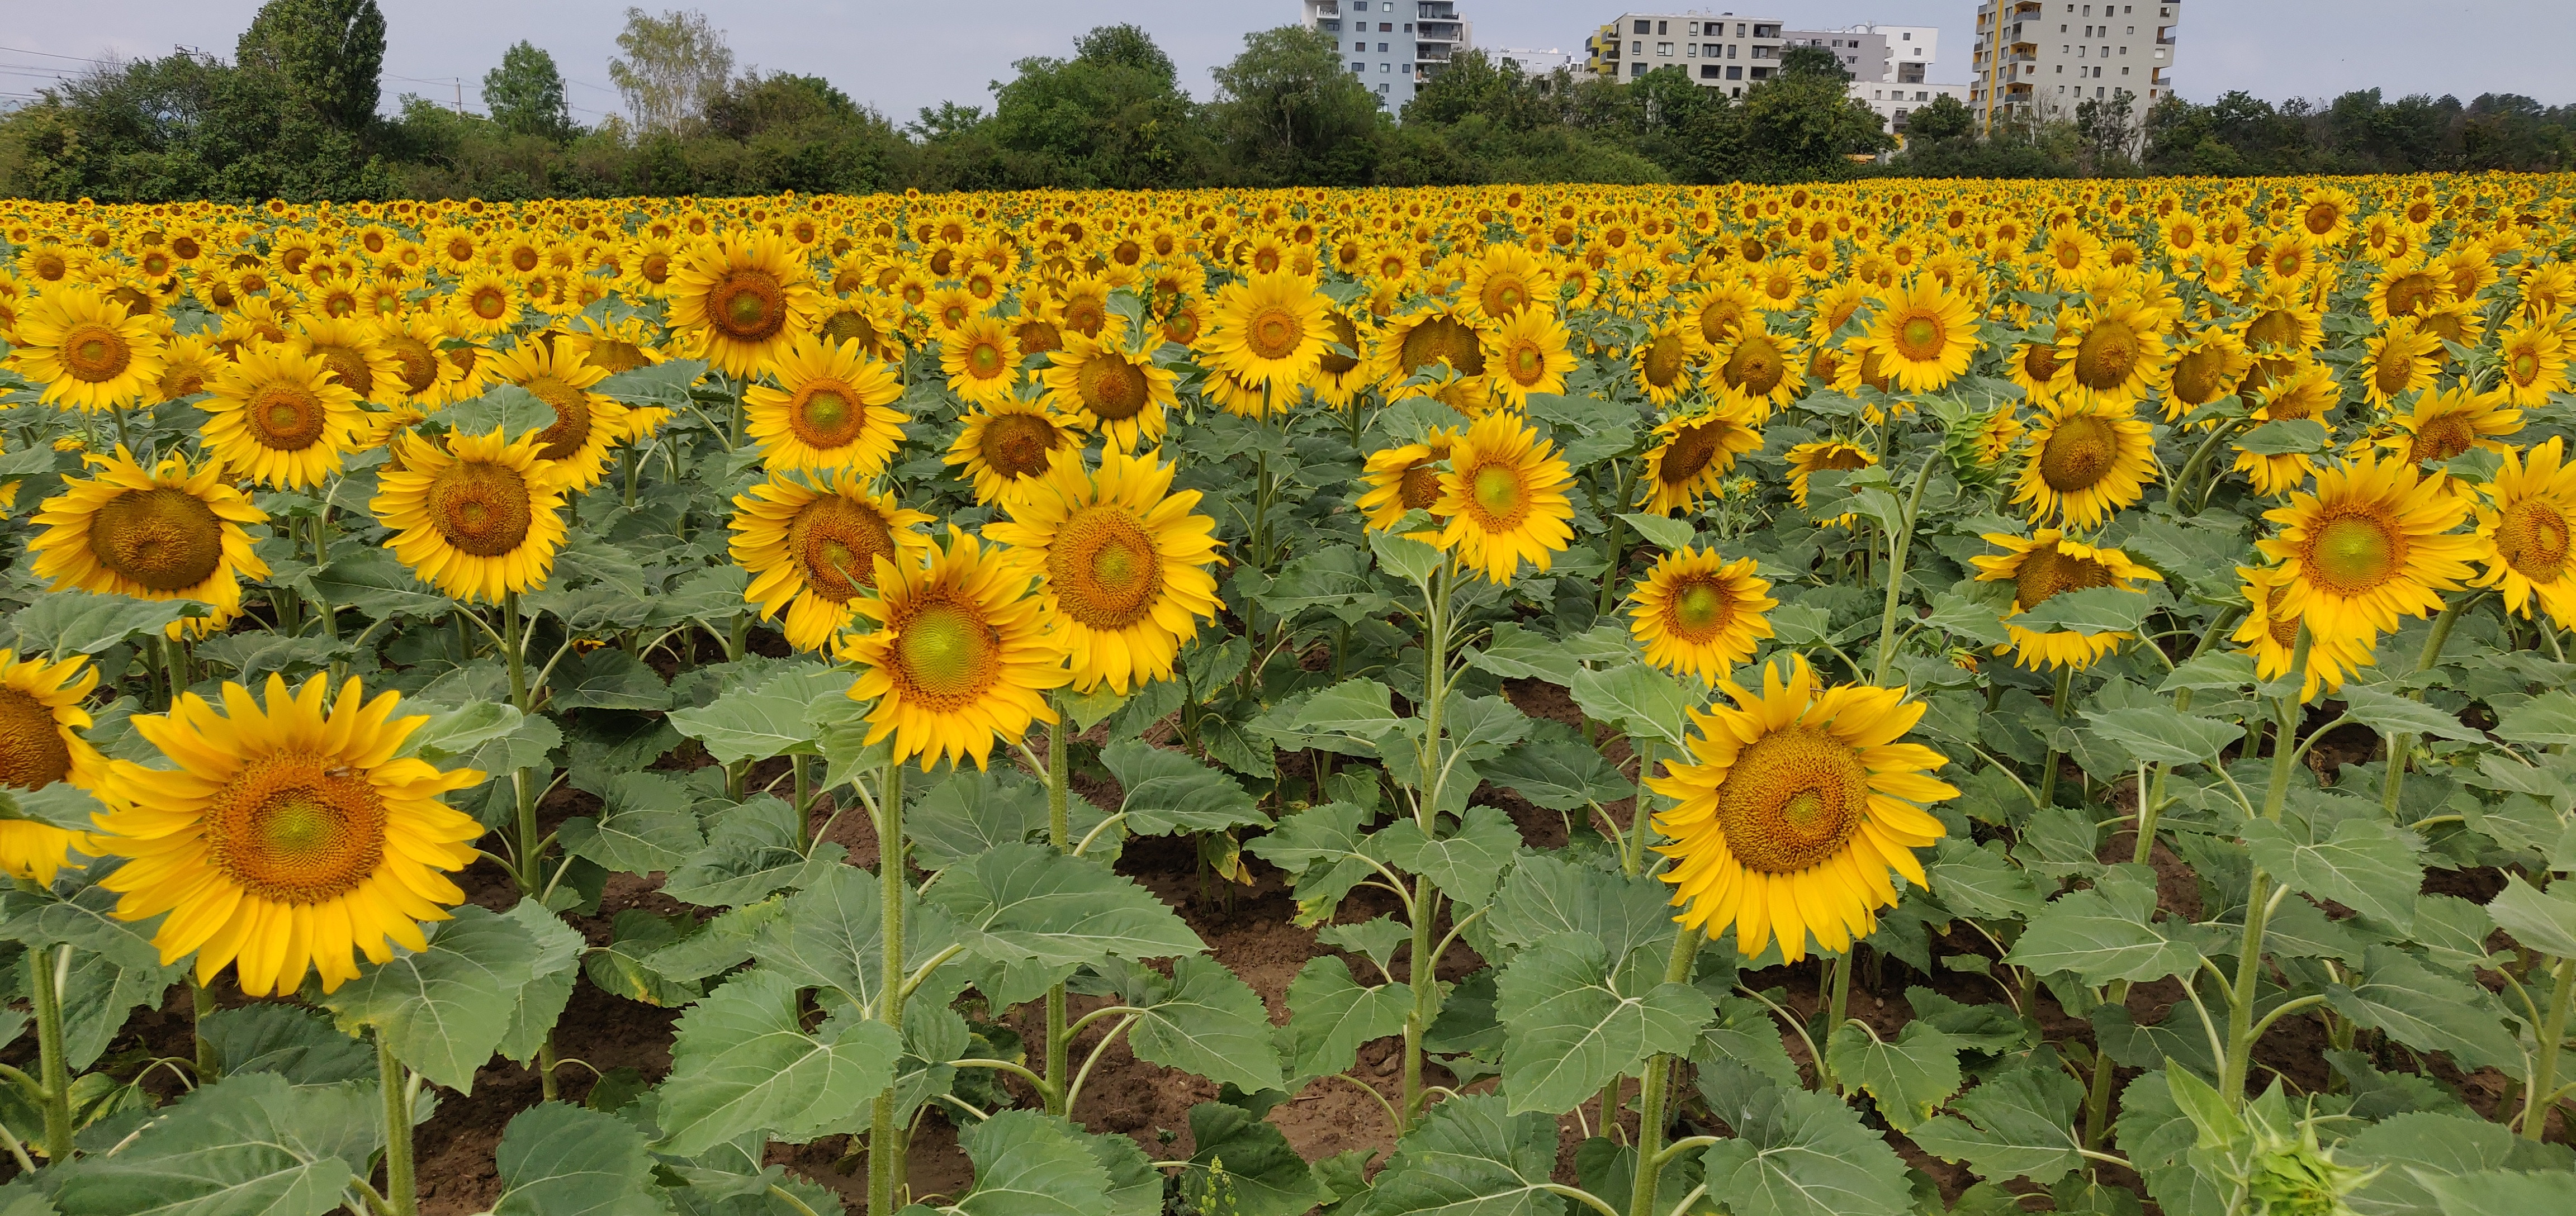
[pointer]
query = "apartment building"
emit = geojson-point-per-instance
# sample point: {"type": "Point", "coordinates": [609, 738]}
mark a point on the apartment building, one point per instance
{"type": "Point", "coordinates": [1392, 46]}
{"type": "Point", "coordinates": [1717, 50]}
{"type": "Point", "coordinates": [1887, 54]}
{"type": "Point", "coordinates": [2042, 58]}
{"type": "Point", "coordinates": [1893, 101]}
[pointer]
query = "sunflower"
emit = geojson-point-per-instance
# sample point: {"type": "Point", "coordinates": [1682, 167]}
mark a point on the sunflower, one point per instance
{"type": "Point", "coordinates": [2533, 359]}
{"type": "Point", "coordinates": [2272, 637]}
{"type": "Point", "coordinates": [1527, 353]}
{"type": "Point", "coordinates": [2284, 322]}
{"type": "Point", "coordinates": [2041, 567]}
{"type": "Point", "coordinates": [961, 654]}
{"type": "Point", "coordinates": [167, 533]}
{"type": "Point", "coordinates": [1005, 446]}
{"type": "Point", "coordinates": [1270, 330]}
{"type": "Point", "coordinates": [587, 424]}
{"type": "Point", "coordinates": [1413, 348]}
{"type": "Point", "coordinates": [1121, 394]}
{"type": "Point", "coordinates": [2451, 421]}
{"type": "Point", "coordinates": [2325, 214]}
{"type": "Point", "coordinates": [2409, 287]}
{"type": "Point", "coordinates": [2529, 511]}
{"type": "Point", "coordinates": [1405, 478]}
{"type": "Point", "coordinates": [477, 517]}
{"type": "Point", "coordinates": [2113, 350]}
{"type": "Point", "coordinates": [1696, 613]}
{"type": "Point", "coordinates": [2308, 392]}
{"type": "Point", "coordinates": [2209, 366]}
{"type": "Point", "coordinates": [354, 354]}
{"type": "Point", "coordinates": [1340, 376]}
{"type": "Point", "coordinates": [1693, 454]}
{"type": "Point", "coordinates": [1923, 336]}
{"type": "Point", "coordinates": [285, 837]}
{"type": "Point", "coordinates": [485, 304]}
{"type": "Point", "coordinates": [1808, 459]}
{"type": "Point", "coordinates": [981, 360]}
{"type": "Point", "coordinates": [812, 548]}
{"type": "Point", "coordinates": [2400, 360]}
{"type": "Point", "coordinates": [85, 349]}
{"type": "Point", "coordinates": [1757, 370]}
{"type": "Point", "coordinates": [2369, 544]}
{"type": "Point", "coordinates": [833, 409]}
{"type": "Point", "coordinates": [1507, 280]}
{"type": "Point", "coordinates": [40, 723]}
{"type": "Point", "coordinates": [188, 364]}
{"type": "Point", "coordinates": [744, 296]}
{"type": "Point", "coordinates": [2088, 459]}
{"type": "Point", "coordinates": [1120, 559]}
{"type": "Point", "coordinates": [279, 417]}
{"type": "Point", "coordinates": [1503, 498]}
{"type": "Point", "coordinates": [412, 340]}
{"type": "Point", "coordinates": [1663, 361]}
{"type": "Point", "coordinates": [2034, 366]}
{"type": "Point", "coordinates": [1793, 806]}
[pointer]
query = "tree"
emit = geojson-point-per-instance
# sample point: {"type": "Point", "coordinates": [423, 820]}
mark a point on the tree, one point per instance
{"type": "Point", "coordinates": [1288, 111]}
{"type": "Point", "coordinates": [1111, 117]}
{"type": "Point", "coordinates": [326, 55]}
{"type": "Point", "coordinates": [1804, 126]}
{"type": "Point", "coordinates": [1945, 118]}
{"type": "Point", "coordinates": [672, 66]}
{"type": "Point", "coordinates": [525, 95]}
{"type": "Point", "coordinates": [1812, 61]}
{"type": "Point", "coordinates": [2106, 132]}
{"type": "Point", "coordinates": [1127, 46]}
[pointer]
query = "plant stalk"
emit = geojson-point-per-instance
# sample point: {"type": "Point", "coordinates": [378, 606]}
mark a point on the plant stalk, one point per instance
{"type": "Point", "coordinates": [1658, 1081]}
{"type": "Point", "coordinates": [45, 980]}
{"type": "Point", "coordinates": [2401, 744]}
{"type": "Point", "coordinates": [401, 1191]}
{"type": "Point", "coordinates": [1896, 547]}
{"type": "Point", "coordinates": [2249, 960]}
{"type": "Point", "coordinates": [2544, 1070]}
{"type": "Point", "coordinates": [885, 1149]}
{"type": "Point", "coordinates": [200, 1004]}
{"type": "Point", "coordinates": [2059, 704]}
{"type": "Point", "coordinates": [1059, 1043]}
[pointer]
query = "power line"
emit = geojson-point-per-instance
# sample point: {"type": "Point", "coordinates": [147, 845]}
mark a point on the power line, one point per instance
{"type": "Point", "coordinates": [19, 50]}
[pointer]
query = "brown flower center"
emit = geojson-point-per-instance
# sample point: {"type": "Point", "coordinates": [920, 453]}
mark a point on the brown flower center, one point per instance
{"type": "Point", "coordinates": [166, 539]}
{"type": "Point", "coordinates": [480, 508]}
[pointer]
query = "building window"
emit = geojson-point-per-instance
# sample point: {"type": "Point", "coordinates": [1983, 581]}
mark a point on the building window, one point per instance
{"type": "Point", "coordinates": [1636, 48]}
{"type": "Point", "coordinates": [1663, 27]}
{"type": "Point", "coordinates": [1643, 27]}
{"type": "Point", "coordinates": [1908, 38]}
{"type": "Point", "coordinates": [1735, 74]}
{"type": "Point", "coordinates": [1359, 67]}
{"type": "Point", "coordinates": [1636, 69]}
{"type": "Point", "coordinates": [1386, 67]}
{"type": "Point", "coordinates": [1762, 73]}
{"type": "Point", "coordinates": [1381, 48]}
{"type": "Point", "coordinates": [1709, 71]}
{"type": "Point", "coordinates": [1664, 49]}
{"type": "Point", "coordinates": [1690, 50]}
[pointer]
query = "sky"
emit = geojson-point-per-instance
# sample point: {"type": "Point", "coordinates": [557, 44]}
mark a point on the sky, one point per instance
{"type": "Point", "coordinates": [902, 55]}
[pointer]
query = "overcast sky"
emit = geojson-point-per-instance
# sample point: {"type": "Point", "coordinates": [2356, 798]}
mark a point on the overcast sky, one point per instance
{"type": "Point", "coordinates": [901, 56]}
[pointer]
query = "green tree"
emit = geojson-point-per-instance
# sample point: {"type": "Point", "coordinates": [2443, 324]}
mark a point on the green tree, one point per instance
{"type": "Point", "coordinates": [1944, 118]}
{"type": "Point", "coordinates": [1111, 117]}
{"type": "Point", "coordinates": [671, 66]}
{"type": "Point", "coordinates": [1812, 61]}
{"type": "Point", "coordinates": [327, 56]}
{"type": "Point", "coordinates": [525, 95]}
{"type": "Point", "coordinates": [1803, 126]}
{"type": "Point", "coordinates": [1287, 111]}
{"type": "Point", "coordinates": [1127, 46]}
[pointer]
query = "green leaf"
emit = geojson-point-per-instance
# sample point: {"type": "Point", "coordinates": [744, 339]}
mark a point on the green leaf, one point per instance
{"type": "Point", "coordinates": [444, 1009]}
{"type": "Point", "coordinates": [2088, 612]}
{"type": "Point", "coordinates": [1466, 865]}
{"type": "Point", "coordinates": [2367, 864]}
{"type": "Point", "coordinates": [1977, 622]}
{"type": "Point", "coordinates": [1031, 1164]}
{"type": "Point", "coordinates": [1517, 653]}
{"type": "Point", "coordinates": [87, 920]}
{"type": "Point", "coordinates": [2547, 720]}
{"type": "Point", "coordinates": [1556, 770]}
{"type": "Point", "coordinates": [254, 655]}
{"type": "Point", "coordinates": [1665, 532]}
{"type": "Point", "coordinates": [1264, 1176]}
{"type": "Point", "coordinates": [509, 407]}
{"type": "Point", "coordinates": [1568, 1031]}
{"type": "Point", "coordinates": [1404, 557]}
{"type": "Point", "coordinates": [648, 825]}
{"type": "Point", "coordinates": [1169, 792]}
{"type": "Point", "coordinates": [1910, 1078]}
{"type": "Point", "coordinates": [624, 967]}
{"type": "Point", "coordinates": [60, 624]}
{"type": "Point", "coordinates": [742, 1062]}
{"type": "Point", "coordinates": [1795, 1153]}
{"type": "Point", "coordinates": [2285, 437]}
{"type": "Point", "coordinates": [608, 678]}
{"type": "Point", "coordinates": [1377, 938]}
{"type": "Point", "coordinates": [2414, 1151]}
{"type": "Point", "coordinates": [2218, 670]}
{"type": "Point", "coordinates": [1644, 702]}
{"type": "Point", "coordinates": [973, 810]}
{"type": "Point", "coordinates": [250, 1143]}
{"type": "Point", "coordinates": [1331, 1016]}
{"type": "Point", "coordinates": [2105, 933]}
{"type": "Point", "coordinates": [1547, 895]}
{"type": "Point", "coordinates": [1469, 1157]}
{"type": "Point", "coordinates": [764, 721]}
{"type": "Point", "coordinates": [2389, 713]}
{"type": "Point", "coordinates": [297, 1044]}
{"type": "Point", "coordinates": [751, 853]}
{"type": "Point", "coordinates": [1323, 848]}
{"type": "Point", "coordinates": [2543, 921]}
{"type": "Point", "coordinates": [1028, 902]}
{"type": "Point", "coordinates": [1204, 1020]}
{"type": "Point", "coordinates": [1979, 880]}
{"type": "Point", "coordinates": [2425, 1009]}
{"type": "Point", "coordinates": [559, 1160]}
{"type": "Point", "coordinates": [2016, 1125]}
{"type": "Point", "coordinates": [540, 1004]}
{"type": "Point", "coordinates": [2160, 734]}
{"type": "Point", "coordinates": [2493, 1191]}
{"type": "Point", "coordinates": [665, 384]}
{"type": "Point", "coordinates": [1349, 718]}
{"type": "Point", "coordinates": [832, 934]}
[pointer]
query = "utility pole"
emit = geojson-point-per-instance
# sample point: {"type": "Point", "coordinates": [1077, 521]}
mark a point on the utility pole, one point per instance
{"type": "Point", "coordinates": [460, 95]}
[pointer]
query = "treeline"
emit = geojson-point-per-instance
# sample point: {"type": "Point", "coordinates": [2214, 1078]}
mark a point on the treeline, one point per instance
{"type": "Point", "coordinates": [295, 114]}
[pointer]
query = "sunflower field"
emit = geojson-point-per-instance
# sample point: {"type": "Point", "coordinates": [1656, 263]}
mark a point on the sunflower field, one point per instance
{"type": "Point", "coordinates": [1517, 701]}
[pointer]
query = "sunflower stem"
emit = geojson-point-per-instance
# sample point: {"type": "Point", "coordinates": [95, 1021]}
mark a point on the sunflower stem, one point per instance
{"type": "Point", "coordinates": [2061, 703]}
{"type": "Point", "coordinates": [2258, 901]}
{"type": "Point", "coordinates": [201, 1003]}
{"type": "Point", "coordinates": [1632, 857]}
{"type": "Point", "coordinates": [401, 1192]}
{"type": "Point", "coordinates": [1897, 544]}
{"type": "Point", "coordinates": [45, 982]}
{"type": "Point", "coordinates": [1610, 572]}
{"type": "Point", "coordinates": [1838, 1007]}
{"type": "Point", "coordinates": [1658, 1081]}
{"type": "Point", "coordinates": [804, 781]}
{"type": "Point", "coordinates": [885, 1150]}
{"type": "Point", "coordinates": [2402, 743]}
{"type": "Point", "coordinates": [1059, 1042]}
{"type": "Point", "coordinates": [1423, 977]}
{"type": "Point", "coordinates": [2544, 1069]}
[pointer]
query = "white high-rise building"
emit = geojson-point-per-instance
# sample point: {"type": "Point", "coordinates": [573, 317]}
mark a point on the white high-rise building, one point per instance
{"type": "Point", "coordinates": [1887, 54]}
{"type": "Point", "coordinates": [1717, 50]}
{"type": "Point", "coordinates": [1392, 46]}
{"type": "Point", "coordinates": [2042, 58]}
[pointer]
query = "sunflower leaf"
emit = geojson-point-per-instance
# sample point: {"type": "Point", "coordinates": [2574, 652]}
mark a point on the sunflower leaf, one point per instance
{"type": "Point", "coordinates": [1202, 1020]}
{"type": "Point", "coordinates": [445, 1009]}
{"type": "Point", "coordinates": [66, 623]}
{"type": "Point", "coordinates": [1568, 1030]}
{"type": "Point", "coordinates": [2286, 437]}
{"type": "Point", "coordinates": [560, 1160]}
{"type": "Point", "coordinates": [768, 719]}
{"type": "Point", "coordinates": [1331, 1016]}
{"type": "Point", "coordinates": [1167, 792]}
{"type": "Point", "coordinates": [2091, 611]}
{"type": "Point", "coordinates": [1667, 533]}
{"type": "Point", "coordinates": [1030, 903]}
{"type": "Point", "coordinates": [1556, 770]}
{"type": "Point", "coordinates": [1468, 1157]}
{"type": "Point", "coordinates": [2016, 1125]}
{"type": "Point", "coordinates": [1032, 1164]}
{"type": "Point", "coordinates": [1264, 1175]}
{"type": "Point", "coordinates": [2544, 921]}
{"type": "Point", "coordinates": [665, 384]}
{"type": "Point", "coordinates": [2389, 713]}
{"type": "Point", "coordinates": [2160, 734]}
{"type": "Point", "coordinates": [247, 1143]}
{"type": "Point", "coordinates": [1639, 699]}
{"type": "Point", "coordinates": [2105, 933]}
{"type": "Point", "coordinates": [1795, 1153]}
{"type": "Point", "coordinates": [1909, 1078]}
{"type": "Point", "coordinates": [2425, 1009]}
{"type": "Point", "coordinates": [743, 1062]}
